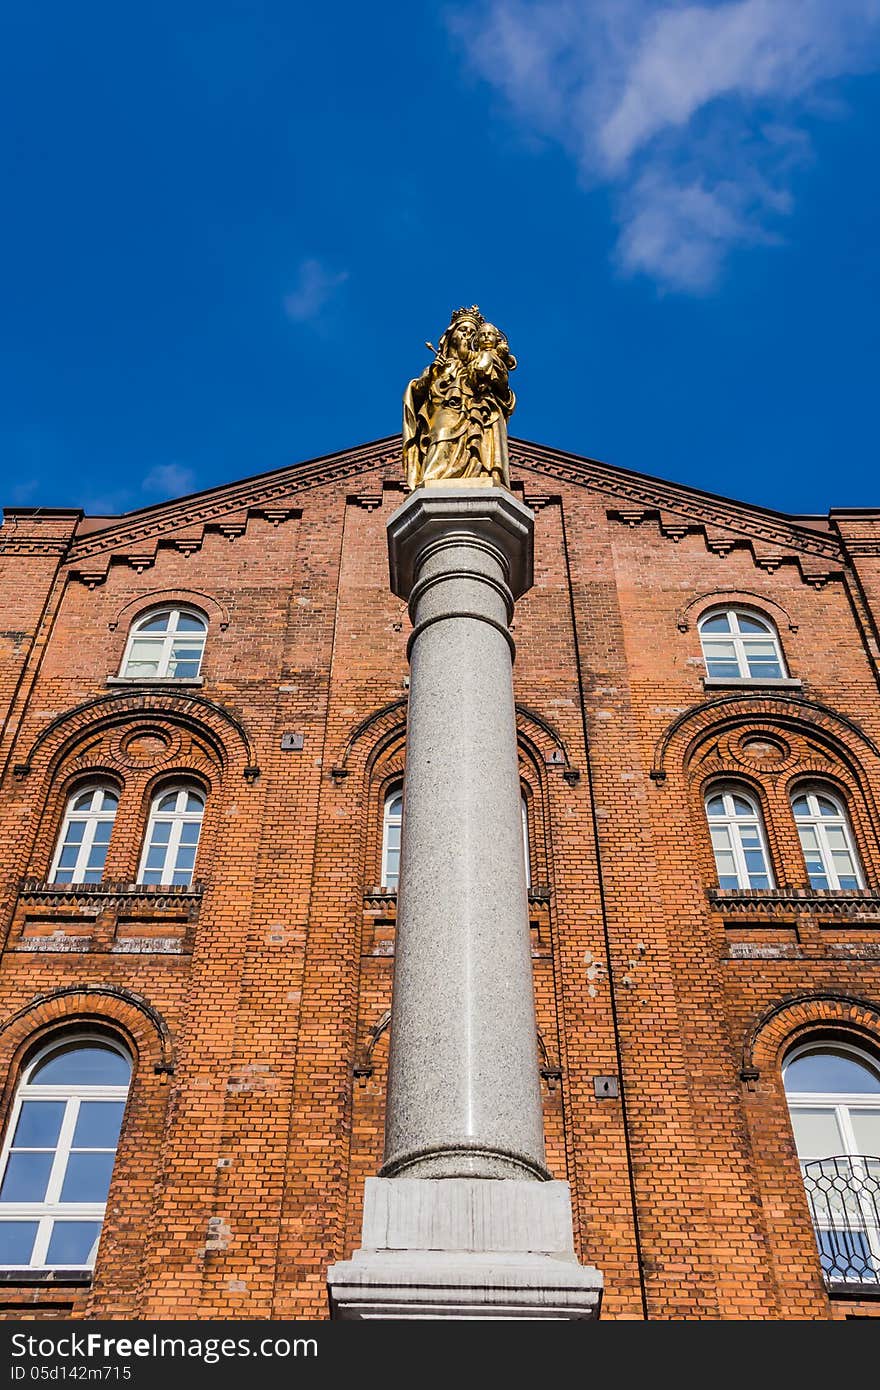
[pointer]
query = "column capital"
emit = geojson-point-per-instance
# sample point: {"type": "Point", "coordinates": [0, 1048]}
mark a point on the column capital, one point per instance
{"type": "Point", "coordinates": [485, 515]}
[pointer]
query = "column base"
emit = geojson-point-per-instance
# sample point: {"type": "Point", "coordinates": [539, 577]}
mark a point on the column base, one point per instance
{"type": "Point", "coordinates": [465, 1248]}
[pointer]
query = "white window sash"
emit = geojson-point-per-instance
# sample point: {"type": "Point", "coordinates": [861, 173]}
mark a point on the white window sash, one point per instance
{"type": "Point", "coordinates": [178, 820]}
{"type": "Point", "coordinates": [734, 824]}
{"type": "Point", "coordinates": [390, 820]}
{"type": "Point", "coordinates": [841, 1103]}
{"type": "Point", "coordinates": [92, 820]}
{"type": "Point", "coordinates": [164, 642]}
{"type": "Point", "coordinates": [51, 1208]}
{"type": "Point", "coordinates": [739, 639]}
{"type": "Point", "coordinates": [821, 824]}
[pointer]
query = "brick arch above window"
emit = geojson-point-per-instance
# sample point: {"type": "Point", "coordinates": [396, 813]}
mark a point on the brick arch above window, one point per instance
{"type": "Point", "coordinates": [800, 1018]}
{"type": "Point", "coordinates": [690, 614]}
{"type": "Point", "coordinates": [215, 728]}
{"type": "Point", "coordinates": [833, 732]}
{"type": "Point", "coordinates": [373, 737]}
{"type": "Point", "coordinates": [216, 612]}
{"type": "Point", "coordinates": [139, 1025]}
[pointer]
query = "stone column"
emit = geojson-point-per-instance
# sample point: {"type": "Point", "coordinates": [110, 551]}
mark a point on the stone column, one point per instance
{"type": "Point", "coordinates": [464, 1220]}
{"type": "Point", "coordinates": [463, 1089]}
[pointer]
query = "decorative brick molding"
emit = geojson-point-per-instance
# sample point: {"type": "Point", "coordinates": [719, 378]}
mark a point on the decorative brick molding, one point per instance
{"type": "Point", "coordinates": [841, 902]}
{"type": "Point", "coordinates": [226, 732]}
{"type": "Point", "coordinates": [727, 711]}
{"type": "Point", "coordinates": [684, 508]}
{"type": "Point", "coordinates": [99, 896]}
{"type": "Point", "coordinates": [216, 612]}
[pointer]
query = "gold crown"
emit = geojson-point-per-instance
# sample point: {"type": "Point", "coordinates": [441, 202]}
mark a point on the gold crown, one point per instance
{"type": "Point", "coordinates": [472, 313]}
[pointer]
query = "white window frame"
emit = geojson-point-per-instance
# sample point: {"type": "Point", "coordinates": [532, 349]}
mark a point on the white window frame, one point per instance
{"type": "Point", "coordinates": [839, 1103]}
{"type": "Point", "coordinates": [92, 820]}
{"type": "Point", "coordinates": [164, 641]}
{"type": "Point", "coordinates": [52, 1209]}
{"type": "Point", "coordinates": [389, 820]}
{"type": "Point", "coordinates": [526, 845]}
{"type": "Point", "coordinates": [733, 822]}
{"type": "Point", "coordinates": [739, 639]}
{"type": "Point", "coordinates": [178, 819]}
{"type": "Point", "coordinates": [816, 821]}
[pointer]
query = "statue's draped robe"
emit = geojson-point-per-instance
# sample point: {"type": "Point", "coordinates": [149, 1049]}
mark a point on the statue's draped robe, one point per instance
{"type": "Point", "coordinates": [448, 432]}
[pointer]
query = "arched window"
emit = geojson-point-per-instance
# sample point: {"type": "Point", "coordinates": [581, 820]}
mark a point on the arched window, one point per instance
{"type": "Point", "coordinates": [740, 645]}
{"type": "Point", "coordinates": [826, 839]}
{"type": "Point", "coordinates": [58, 1154]}
{"type": "Point", "coordinates": [833, 1093]}
{"type": "Point", "coordinates": [85, 835]}
{"type": "Point", "coordinates": [526, 846]}
{"type": "Point", "coordinates": [391, 823]}
{"type": "Point", "coordinates": [172, 836]}
{"type": "Point", "coordinates": [166, 642]}
{"type": "Point", "coordinates": [737, 832]}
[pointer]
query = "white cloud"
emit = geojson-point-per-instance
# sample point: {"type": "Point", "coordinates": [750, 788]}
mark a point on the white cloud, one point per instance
{"type": "Point", "coordinates": [314, 288]}
{"type": "Point", "coordinates": [168, 480]}
{"type": "Point", "coordinates": [24, 491]}
{"type": "Point", "coordinates": [690, 111]}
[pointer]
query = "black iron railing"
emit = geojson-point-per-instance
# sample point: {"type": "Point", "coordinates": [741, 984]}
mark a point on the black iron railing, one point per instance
{"type": "Point", "coordinates": [844, 1198]}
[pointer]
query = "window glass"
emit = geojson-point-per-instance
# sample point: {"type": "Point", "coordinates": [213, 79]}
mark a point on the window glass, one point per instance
{"type": "Point", "coordinates": [833, 1094]}
{"type": "Point", "coordinates": [748, 649]}
{"type": "Point", "coordinates": [82, 846]}
{"type": "Point", "coordinates": [169, 644]}
{"type": "Point", "coordinates": [816, 1132]}
{"type": "Point", "coordinates": [826, 840]}
{"type": "Point", "coordinates": [82, 1064]}
{"type": "Point", "coordinates": [737, 835]}
{"type": "Point", "coordinates": [172, 837]}
{"type": "Point", "coordinates": [58, 1154]}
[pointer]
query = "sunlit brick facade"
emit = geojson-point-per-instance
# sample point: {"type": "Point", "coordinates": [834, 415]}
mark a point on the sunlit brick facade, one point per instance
{"type": "Point", "coordinates": [253, 1001]}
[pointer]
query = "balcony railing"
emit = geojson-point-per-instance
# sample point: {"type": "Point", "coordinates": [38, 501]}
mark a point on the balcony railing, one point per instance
{"type": "Point", "coordinates": [844, 1198]}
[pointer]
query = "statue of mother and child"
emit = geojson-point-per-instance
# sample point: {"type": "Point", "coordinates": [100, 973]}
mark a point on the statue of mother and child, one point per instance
{"type": "Point", "coordinates": [455, 414]}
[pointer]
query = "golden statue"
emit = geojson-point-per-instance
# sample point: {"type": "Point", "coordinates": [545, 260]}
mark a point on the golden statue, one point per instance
{"type": "Point", "coordinates": [455, 414]}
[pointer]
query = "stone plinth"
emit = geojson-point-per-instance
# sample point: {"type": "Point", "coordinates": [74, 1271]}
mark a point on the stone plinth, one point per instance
{"type": "Point", "coordinates": [465, 1248]}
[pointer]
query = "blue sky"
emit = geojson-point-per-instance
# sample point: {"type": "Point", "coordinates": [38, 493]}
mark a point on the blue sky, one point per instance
{"type": "Point", "coordinates": [228, 229]}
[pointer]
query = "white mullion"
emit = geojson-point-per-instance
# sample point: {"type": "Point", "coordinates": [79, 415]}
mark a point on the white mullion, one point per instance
{"type": "Point", "coordinates": [85, 848]}
{"type": "Point", "coordinates": [174, 841]}
{"type": "Point", "coordinates": [739, 853]}
{"type": "Point", "coordinates": [41, 1243]}
{"type": "Point", "coordinates": [827, 858]}
{"type": "Point", "coordinates": [62, 1152]}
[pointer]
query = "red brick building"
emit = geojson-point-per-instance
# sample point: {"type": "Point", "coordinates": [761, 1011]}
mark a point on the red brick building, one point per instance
{"type": "Point", "coordinates": [204, 708]}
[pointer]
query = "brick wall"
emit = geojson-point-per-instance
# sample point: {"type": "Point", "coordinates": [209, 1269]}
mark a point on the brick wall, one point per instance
{"type": "Point", "coordinates": [255, 1006]}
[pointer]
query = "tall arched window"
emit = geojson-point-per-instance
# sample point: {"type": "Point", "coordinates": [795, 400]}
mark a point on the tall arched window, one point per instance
{"type": "Point", "coordinates": [58, 1154]}
{"type": "Point", "coordinates": [166, 642]}
{"type": "Point", "coordinates": [833, 1093]}
{"type": "Point", "coordinates": [85, 834]}
{"type": "Point", "coordinates": [391, 823]}
{"type": "Point", "coordinates": [737, 832]}
{"type": "Point", "coordinates": [740, 645]}
{"type": "Point", "coordinates": [172, 837]}
{"type": "Point", "coordinates": [826, 838]}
